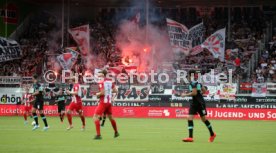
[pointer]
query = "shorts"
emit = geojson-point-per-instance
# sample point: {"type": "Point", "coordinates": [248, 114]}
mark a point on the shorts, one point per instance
{"type": "Point", "coordinates": [103, 108]}
{"type": "Point", "coordinates": [27, 108]}
{"type": "Point", "coordinates": [198, 109]}
{"type": "Point", "coordinates": [61, 106]}
{"type": "Point", "coordinates": [38, 105]}
{"type": "Point", "coordinates": [75, 106]}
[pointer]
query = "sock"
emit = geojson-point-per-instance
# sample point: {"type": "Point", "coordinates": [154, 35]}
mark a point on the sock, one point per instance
{"type": "Point", "coordinates": [44, 119]}
{"type": "Point", "coordinates": [103, 121]}
{"type": "Point", "coordinates": [82, 120]}
{"type": "Point", "coordinates": [191, 128]}
{"type": "Point", "coordinates": [25, 116]}
{"type": "Point", "coordinates": [97, 124]}
{"type": "Point", "coordinates": [69, 117]}
{"type": "Point", "coordinates": [208, 124]}
{"type": "Point", "coordinates": [62, 117]}
{"type": "Point", "coordinates": [31, 115]}
{"type": "Point", "coordinates": [35, 118]}
{"type": "Point", "coordinates": [113, 123]}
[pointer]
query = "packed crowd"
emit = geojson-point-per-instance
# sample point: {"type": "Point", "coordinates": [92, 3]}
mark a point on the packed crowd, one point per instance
{"type": "Point", "coordinates": [265, 71]}
{"type": "Point", "coordinates": [33, 43]}
{"type": "Point", "coordinates": [247, 30]}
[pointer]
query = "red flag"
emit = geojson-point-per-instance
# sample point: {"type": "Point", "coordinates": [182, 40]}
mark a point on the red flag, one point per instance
{"type": "Point", "coordinates": [67, 60]}
{"type": "Point", "coordinates": [81, 35]}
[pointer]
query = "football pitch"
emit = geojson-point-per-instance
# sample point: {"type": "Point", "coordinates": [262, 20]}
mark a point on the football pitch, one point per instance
{"type": "Point", "coordinates": [136, 136]}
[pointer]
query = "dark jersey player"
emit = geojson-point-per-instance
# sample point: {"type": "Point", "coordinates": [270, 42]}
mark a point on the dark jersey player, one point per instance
{"type": "Point", "coordinates": [60, 100]}
{"type": "Point", "coordinates": [197, 106]}
{"type": "Point", "coordinates": [38, 104]}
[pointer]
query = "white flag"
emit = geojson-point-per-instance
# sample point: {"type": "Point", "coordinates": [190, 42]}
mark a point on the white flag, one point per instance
{"type": "Point", "coordinates": [67, 60]}
{"type": "Point", "coordinates": [196, 34]}
{"type": "Point", "coordinates": [81, 35]}
{"type": "Point", "coordinates": [216, 44]}
{"type": "Point", "coordinates": [178, 34]}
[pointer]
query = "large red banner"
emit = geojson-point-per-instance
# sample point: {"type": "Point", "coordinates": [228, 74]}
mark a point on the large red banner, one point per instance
{"type": "Point", "coordinates": [158, 112]}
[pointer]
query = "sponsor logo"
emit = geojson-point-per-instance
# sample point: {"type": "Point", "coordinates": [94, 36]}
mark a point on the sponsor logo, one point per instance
{"type": "Point", "coordinates": [6, 99]}
{"type": "Point", "coordinates": [132, 104]}
{"type": "Point", "coordinates": [265, 100]}
{"type": "Point", "coordinates": [128, 112]}
{"type": "Point", "coordinates": [210, 99]}
{"type": "Point", "coordinates": [241, 99]}
{"type": "Point", "coordinates": [159, 113]}
{"type": "Point", "coordinates": [166, 112]}
{"type": "Point", "coordinates": [181, 112]}
{"type": "Point", "coordinates": [226, 114]}
{"type": "Point", "coordinates": [155, 98]}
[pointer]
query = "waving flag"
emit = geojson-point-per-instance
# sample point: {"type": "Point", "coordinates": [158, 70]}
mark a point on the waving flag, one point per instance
{"type": "Point", "coordinates": [119, 69]}
{"type": "Point", "coordinates": [196, 50]}
{"type": "Point", "coordinates": [81, 35]}
{"type": "Point", "coordinates": [9, 50]}
{"type": "Point", "coordinates": [216, 44]}
{"type": "Point", "coordinates": [196, 34]}
{"type": "Point", "coordinates": [259, 90]}
{"type": "Point", "coordinates": [130, 68]}
{"type": "Point", "coordinates": [67, 60]}
{"type": "Point", "coordinates": [115, 70]}
{"type": "Point", "coordinates": [178, 34]}
{"type": "Point", "coordinates": [185, 40]}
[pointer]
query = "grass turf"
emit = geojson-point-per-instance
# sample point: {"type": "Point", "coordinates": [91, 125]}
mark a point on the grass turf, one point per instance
{"type": "Point", "coordinates": [136, 136]}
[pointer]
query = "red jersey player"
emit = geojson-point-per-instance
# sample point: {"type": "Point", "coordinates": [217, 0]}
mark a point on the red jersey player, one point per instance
{"type": "Point", "coordinates": [107, 88]}
{"type": "Point", "coordinates": [27, 100]}
{"type": "Point", "coordinates": [76, 104]}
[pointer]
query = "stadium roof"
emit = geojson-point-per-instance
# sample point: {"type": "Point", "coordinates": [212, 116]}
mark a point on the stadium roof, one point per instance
{"type": "Point", "coordinates": [160, 3]}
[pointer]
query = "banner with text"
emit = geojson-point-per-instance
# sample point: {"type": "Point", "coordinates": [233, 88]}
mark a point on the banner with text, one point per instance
{"type": "Point", "coordinates": [179, 38]}
{"type": "Point", "coordinates": [130, 94]}
{"type": "Point", "coordinates": [228, 91]}
{"type": "Point", "coordinates": [196, 34]}
{"type": "Point", "coordinates": [271, 87]}
{"type": "Point", "coordinates": [10, 80]}
{"type": "Point", "coordinates": [157, 112]}
{"type": "Point", "coordinates": [9, 50]}
{"type": "Point", "coordinates": [259, 90]}
{"type": "Point", "coordinates": [10, 95]}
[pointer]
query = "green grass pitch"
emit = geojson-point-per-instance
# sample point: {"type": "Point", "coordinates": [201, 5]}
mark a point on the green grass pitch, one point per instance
{"type": "Point", "coordinates": [136, 136]}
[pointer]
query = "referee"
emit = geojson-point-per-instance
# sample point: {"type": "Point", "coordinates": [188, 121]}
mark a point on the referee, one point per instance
{"type": "Point", "coordinates": [197, 106]}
